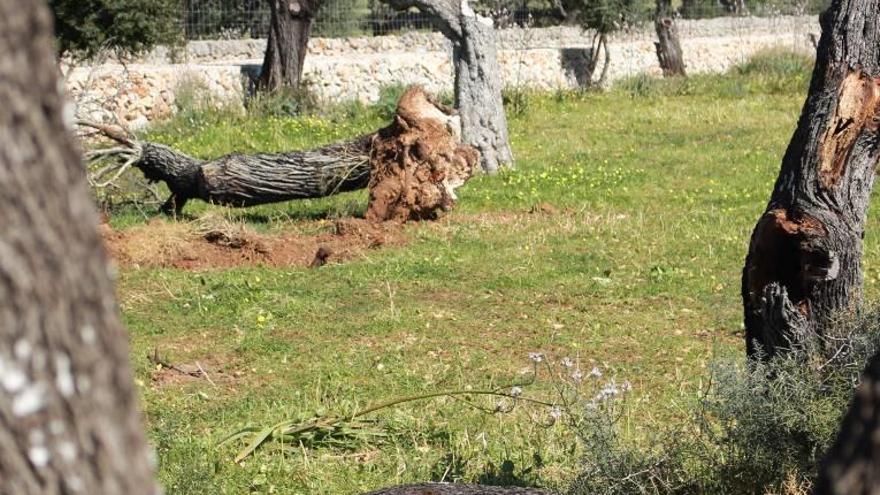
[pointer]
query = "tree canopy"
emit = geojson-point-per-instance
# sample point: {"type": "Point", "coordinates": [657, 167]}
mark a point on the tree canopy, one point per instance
{"type": "Point", "coordinates": [85, 27]}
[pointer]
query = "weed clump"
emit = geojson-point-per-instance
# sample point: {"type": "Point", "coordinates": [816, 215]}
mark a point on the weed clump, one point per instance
{"type": "Point", "coordinates": [769, 71]}
{"type": "Point", "coordinates": [762, 426]}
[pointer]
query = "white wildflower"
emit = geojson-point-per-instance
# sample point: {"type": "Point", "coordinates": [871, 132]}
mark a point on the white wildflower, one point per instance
{"type": "Point", "coordinates": [536, 357]}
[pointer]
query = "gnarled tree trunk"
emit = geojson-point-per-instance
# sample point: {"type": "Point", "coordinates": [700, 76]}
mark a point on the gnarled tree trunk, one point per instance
{"type": "Point", "coordinates": [478, 93]}
{"type": "Point", "coordinates": [668, 47]}
{"type": "Point", "coordinates": [803, 264]}
{"type": "Point", "coordinates": [289, 29]}
{"type": "Point", "coordinates": [477, 77]}
{"type": "Point", "coordinates": [245, 180]}
{"type": "Point", "coordinates": [69, 420]}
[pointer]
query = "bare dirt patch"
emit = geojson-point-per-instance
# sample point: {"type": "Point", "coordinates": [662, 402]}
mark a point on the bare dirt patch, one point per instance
{"type": "Point", "coordinates": [204, 245]}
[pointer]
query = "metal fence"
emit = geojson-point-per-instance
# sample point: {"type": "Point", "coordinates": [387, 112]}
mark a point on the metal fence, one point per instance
{"type": "Point", "coordinates": [242, 19]}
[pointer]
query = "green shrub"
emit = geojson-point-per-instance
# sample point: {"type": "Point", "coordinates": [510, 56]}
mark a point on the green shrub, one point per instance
{"type": "Point", "coordinates": [85, 27]}
{"type": "Point", "coordinates": [285, 102]}
{"type": "Point", "coordinates": [386, 106]}
{"type": "Point", "coordinates": [517, 100]}
{"type": "Point", "coordinates": [772, 71]}
{"type": "Point", "coordinates": [762, 426]}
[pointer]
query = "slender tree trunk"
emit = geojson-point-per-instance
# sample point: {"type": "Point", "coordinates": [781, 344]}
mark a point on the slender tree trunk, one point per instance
{"type": "Point", "coordinates": [803, 264]}
{"type": "Point", "coordinates": [69, 420]}
{"type": "Point", "coordinates": [603, 78]}
{"type": "Point", "coordinates": [478, 94]}
{"type": "Point", "coordinates": [290, 26]}
{"type": "Point", "coordinates": [852, 464]}
{"type": "Point", "coordinates": [477, 77]}
{"type": "Point", "coordinates": [668, 47]}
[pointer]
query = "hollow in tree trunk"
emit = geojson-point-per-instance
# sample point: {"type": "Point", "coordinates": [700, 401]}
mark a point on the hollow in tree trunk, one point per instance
{"type": "Point", "coordinates": [668, 47]}
{"type": "Point", "coordinates": [69, 420]}
{"type": "Point", "coordinates": [289, 29]}
{"type": "Point", "coordinates": [477, 77]}
{"type": "Point", "coordinates": [804, 259]}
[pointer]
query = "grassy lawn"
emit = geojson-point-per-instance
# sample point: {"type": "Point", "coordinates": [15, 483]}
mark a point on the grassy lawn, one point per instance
{"type": "Point", "coordinates": [617, 241]}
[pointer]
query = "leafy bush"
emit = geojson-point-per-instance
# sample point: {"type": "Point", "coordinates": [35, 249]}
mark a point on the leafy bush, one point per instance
{"type": "Point", "coordinates": [761, 427]}
{"type": "Point", "coordinates": [85, 27]}
{"type": "Point", "coordinates": [285, 102]}
{"type": "Point", "coordinates": [777, 62]}
{"type": "Point", "coordinates": [386, 105]}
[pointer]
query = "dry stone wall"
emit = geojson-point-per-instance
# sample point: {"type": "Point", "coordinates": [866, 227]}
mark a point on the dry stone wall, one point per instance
{"type": "Point", "coordinates": [357, 68]}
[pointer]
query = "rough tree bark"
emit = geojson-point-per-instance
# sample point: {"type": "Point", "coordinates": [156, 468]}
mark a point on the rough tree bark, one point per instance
{"type": "Point", "coordinates": [245, 180]}
{"type": "Point", "coordinates": [69, 420]}
{"type": "Point", "coordinates": [852, 464]}
{"type": "Point", "coordinates": [477, 77]}
{"type": "Point", "coordinates": [289, 29]}
{"type": "Point", "coordinates": [668, 47]}
{"type": "Point", "coordinates": [803, 264]}
{"type": "Point", "coordinates": [412, 167]}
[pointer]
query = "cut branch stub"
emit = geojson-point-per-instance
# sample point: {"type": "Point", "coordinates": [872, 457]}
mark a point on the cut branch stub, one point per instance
{"type": "Point", "coordinates": [417, 163]}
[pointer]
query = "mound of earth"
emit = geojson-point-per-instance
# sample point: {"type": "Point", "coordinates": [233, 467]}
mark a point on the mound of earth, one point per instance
{"type": "Point", "coordinates": [195, 246]}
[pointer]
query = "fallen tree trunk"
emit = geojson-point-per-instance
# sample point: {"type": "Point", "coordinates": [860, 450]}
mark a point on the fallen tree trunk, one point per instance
{"type": "Point", "coordinates": [246, 180]}
{"type": "Point", "coordinates": [421, 163]}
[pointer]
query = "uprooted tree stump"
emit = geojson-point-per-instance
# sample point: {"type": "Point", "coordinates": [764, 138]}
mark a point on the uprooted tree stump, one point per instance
{"type": "Point", "coordinates": [417, 163]}
{"type": "Point", "coordinates": [412, 167]}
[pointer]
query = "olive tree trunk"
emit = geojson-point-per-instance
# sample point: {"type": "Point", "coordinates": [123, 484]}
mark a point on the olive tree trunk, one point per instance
{"type": "Point", "coordinates": [803, 264]}
{"type": "Point", "coordinates": [668, 47]}
{"type": "Point", "coordinates": [245, 180]}
{"type": "Point", "coordinates": [69, 420]}
{"type": "Point", "coordinates": [477, 77]}
{"type": "Point", "coordinates": [289, 29]}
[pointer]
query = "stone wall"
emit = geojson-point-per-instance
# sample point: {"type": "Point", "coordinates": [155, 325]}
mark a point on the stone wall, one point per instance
{"type": "Point", "coordinates": [357, 68]}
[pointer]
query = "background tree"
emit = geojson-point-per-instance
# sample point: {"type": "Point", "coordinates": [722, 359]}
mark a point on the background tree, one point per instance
{"type": "Point", "coordinates": [804, 259]}
{"type": "Point", "coordinates": [289, 29]}
{"type": "Point", "coordinates": [668, 46]}
{"type": "Point", "coordinates": [477, 77]}
{"type": "Point", "coordinates": [85, 27]}
{"type": "Point", "coordinates": [603, 17]}
{"type": "Point", "coordinates": [69, 420]}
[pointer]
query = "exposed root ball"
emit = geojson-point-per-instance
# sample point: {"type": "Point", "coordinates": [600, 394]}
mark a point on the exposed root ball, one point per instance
{"type": "Point", "coordinates": [417, 162]}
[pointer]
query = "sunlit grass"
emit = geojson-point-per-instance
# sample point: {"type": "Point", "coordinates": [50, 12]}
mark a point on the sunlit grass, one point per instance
{"type": "Point", "coordinates": [618, 240]}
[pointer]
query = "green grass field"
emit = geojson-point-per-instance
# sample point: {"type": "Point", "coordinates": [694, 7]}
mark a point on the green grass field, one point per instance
{"type": "Point", "coordinates": [617, 241]}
